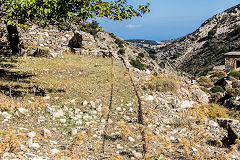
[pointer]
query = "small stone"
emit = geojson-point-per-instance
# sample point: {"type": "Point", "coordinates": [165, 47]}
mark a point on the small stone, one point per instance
{"type": "Point", "coordinates": [73, 101]}
{"type": "Point", "coordinates": [53, 142]}
{"type": "Point", "coordinates": [131, 139]}
{"type": "Point", "coordinates": [54, 151]}
{"type": "Point", "coordinates": [63, 120]}
{"type": "Point", "coordinates": [149, 98]}
{"type": "Point", "coordinates": [92, 104]}
{"type": "Point", "coordinates": [22, 110]}
{"type": "Point", "coordinates": [99, 108]}
{"type": "Point", "coordinates": [46, 97]}
{"type": "Point", "coordinates": [41, 119]}
{"type": "Point", "coordinates": [6, 115]}
{"type": "Point", "coordinates": [31, 134]}
{"type": "Point", "coordinates": [74, 131]}
{"type": "Point", "coordinates": [58, 114]}
{"type": "Point", "coordinates": [47, 133]}
{"type": "Point", "coordinates": [50, 109]}
{"type": "Point", "coordinates": [119, 146]}
{"type": "Point", "coordinates": [118, 109]}
{"type": "Point", "coordinates": [34, 145]}
{"type": "Point", "coordinates": [194, 149]}
{"type": "Point", "coordinates": [137, 155]}
{"type": "Point", "coordinates": [130, 109]}
{"type": "Point", "coordinates": [212, 123]}
{"type": "Point", "coordinates": [85, 103]}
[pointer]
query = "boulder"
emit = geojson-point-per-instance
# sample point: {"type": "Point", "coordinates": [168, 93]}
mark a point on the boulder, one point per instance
{"type": "Point", "coordinates": [201, 96]}
{"type": "Point", "coordinates": [233, 128]}
{"type": "Point", "coordinates": [222, 82]}
{"type": "Point", "coordinates": [76, 41]}
{"type": "Point", "coordinates": [45, 52]}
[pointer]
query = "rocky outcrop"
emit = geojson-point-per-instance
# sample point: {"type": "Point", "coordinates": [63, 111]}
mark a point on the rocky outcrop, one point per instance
{"type": "Point", "coordinates": [233, 128]}
{"type": "Point", "coordinates": [200, 51]}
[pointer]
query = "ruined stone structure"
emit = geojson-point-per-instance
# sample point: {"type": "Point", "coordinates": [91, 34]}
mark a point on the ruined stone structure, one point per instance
{"type": "Point", "coordinates": [232, 61]}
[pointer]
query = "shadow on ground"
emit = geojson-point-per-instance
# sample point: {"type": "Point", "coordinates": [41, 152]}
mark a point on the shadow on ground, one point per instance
{"type": "Point", "coordinates": [18, 81]}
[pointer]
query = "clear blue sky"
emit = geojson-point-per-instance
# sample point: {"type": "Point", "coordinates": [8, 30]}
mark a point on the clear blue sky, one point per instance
{"type": "Point", "coordinates": [168, 18]}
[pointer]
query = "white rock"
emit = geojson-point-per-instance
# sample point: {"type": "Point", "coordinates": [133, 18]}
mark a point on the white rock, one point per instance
{"type": "Point", "coordinates": [50, 109]}
{"type": "Point", "coordinates": [22, 110]}
{"type": "Point", "coordinates": [74, 131]}
{"type": "Point", "coordinates": [34, 145]}
{"type": "Point", "coordinates": [58, 114]}
{"type": "Point", "coordinates": [63, 120]}
{"type": "Point", "coordinates": [131, 139]}
{"type": "Point", "coordinates": [194, 149]}
{"type": "Point", "coordinates": [149, 98]}
{"type": "Point", "coordinates": [99, 108]}
{"type": "Point", "coordinates": [130, 109]}
{"type": "Point", "coordinates": [46, 97]}
{"type": "Point", "coordinates": [92, 104]}
{"type": "Point", "coordinates": [137, 155]}
{"type": "Point", "coordinates": [47, 133]}
{"type": "Point", "coordinates": [41, 119]}
{"type": "Point", "coordinates": [6, 115]}
{"type": "Point", "coordinates": [147, 72]}
{"type": "Point", "coordinates": [212, 123]}
{"type": "Point", "coordinates": [172, 138]}
{"type": "Point", "coordinates": [119, 146]}
{"type": "Point", "coordinates": [73, 101]}
{"type": "Point", "coordinates": [54, 151]}
{"type": "Point", "coordinates": [31, 134]}
{"type": "Point", "coordinates": [202, 96]}
{"type": "Point", "coordinates": [85, 103]}
{"type": "Point", "coordinates": [129, 104]}
{"type": "Point", "coordinates": [186, 104]}
{"type": "Point", "coordinates": [118, 109]}
{"type": "Point", "coordinates": [53, 142]}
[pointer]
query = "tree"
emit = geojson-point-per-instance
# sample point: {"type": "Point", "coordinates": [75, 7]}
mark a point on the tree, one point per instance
{"type": "Point", "coordinates": [15, 13]}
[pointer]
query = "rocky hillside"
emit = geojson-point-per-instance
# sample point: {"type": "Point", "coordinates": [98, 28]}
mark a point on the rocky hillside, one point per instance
{"type": "Point", "coordinates": [200, 51]}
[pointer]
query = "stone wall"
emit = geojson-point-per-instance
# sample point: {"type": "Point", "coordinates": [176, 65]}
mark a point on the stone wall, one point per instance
{"type": "Point", "coordinates": [231, 63]}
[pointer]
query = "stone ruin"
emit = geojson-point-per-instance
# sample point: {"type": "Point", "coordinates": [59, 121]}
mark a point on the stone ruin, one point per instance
{"type": "Point", "coordinates": [232, 61]}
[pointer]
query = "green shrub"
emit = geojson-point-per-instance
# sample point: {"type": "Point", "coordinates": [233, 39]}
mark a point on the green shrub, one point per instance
{"type": "Point", "coordinates": [121, 51]}
{"type": "Point", "coordinates": [141, 55]}
{"type": "Point", "coordinates": [112, 35]}
{"type": "Point", "coordinates": [152, 56]}
{"type": "Point", "coordinates": [137, 64]}
{"type": "Point", "coordinates": [212, 33]}
{"type": "Point", "coordinates": [216, 89]}
{"type": "Point", "coordinates": [166, 85]}
{"type": "Point", "coordinates": [235, 74]}
{"type": "Point", "coordinates": [91, 28]}
{"type": "Point", "coordinates": [162, 65]}
{"type": "Point", "coordinates": [236, 114]}
{"type": "Point", "coordinates": [119, 42]}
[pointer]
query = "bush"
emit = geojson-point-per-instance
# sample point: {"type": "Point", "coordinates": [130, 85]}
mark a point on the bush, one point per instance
{"type": "Point", "coordinates": [137, 64]}
{"type": "Point", "coordinates": [235, 74]}
{"type": "Point", "coordinates": [214, 111]}
{"type": "Point", "coordinates": [219, 74]}
{"type": "Point", "coordinates": [236, 114]}
{"type": "Point", "coordinates": [121, 51]}
{"type": "Point", "coordinates": [91, 28]}
{"type": "Point", "coordinates": [162, 65]}
{"type": "Point", "coordinates": [163, 85]}
{"type": "Point", "coordinates": [212, 33]}
{"type": "Point", "coordinates": [141, 55]}
{"type": "Point", "coordinates": [152, 56]}
{"type": "Point", "coordinates": [205, 81]}
{"type": "Point", "coordinates": [216, 89]}
{"type": "Point", "coordinates": [112, 35]}
{"type": "Point", "coordinates": [119, 42]}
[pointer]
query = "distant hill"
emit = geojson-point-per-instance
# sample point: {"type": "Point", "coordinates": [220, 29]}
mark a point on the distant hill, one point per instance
{"type": "Point", "coordinates": [200, 51]}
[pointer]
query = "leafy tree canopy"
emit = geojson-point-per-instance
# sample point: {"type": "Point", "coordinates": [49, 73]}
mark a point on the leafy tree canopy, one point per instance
{"type": "Point", "coordinates": [45, 12]}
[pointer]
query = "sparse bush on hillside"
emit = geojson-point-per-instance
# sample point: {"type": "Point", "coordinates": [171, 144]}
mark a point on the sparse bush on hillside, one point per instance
{"type": "Point", "coordinates": [112, 35]}
{"type": "Point", "coordinates": [205, 81]}
{"type": "Point", "coordinates": [216, 89]}
{"type": "Point", "coordinates": [219, 74]}
{"type": "Point", "coordinates": [119, 42]}
{"type": "Point", "coordinates": [162, 65]}
{"type": "Point", "coordinates": [235, 74]}
{"type": "Point", "coordinates": [214, 111]}
{"type": "Point", "coordinates": [121, 51]}
{"type": "Point", "coordinates": [163, 85]}
{"type": "Point", "coordinates": [91, 28]}
{"type": "Point", "coordinates": [212, 33]}
{"type": "Point", "coordinates": [137, 64]}
{"type": "Point", "coordinates": [152, 56]}
{"type": "Point", "coordinates": [236, 114]}
{"type": "Point", "coordinates": [141, 55]}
